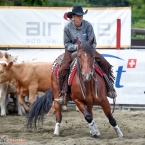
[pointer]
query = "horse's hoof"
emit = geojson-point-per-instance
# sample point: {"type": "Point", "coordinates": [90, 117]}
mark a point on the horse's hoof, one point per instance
{"type": "Point", "coordinates": [3, 114]}
{"type": "Point", "coordinates": [98, 134]}
{"type": "Point", "coordinates": [56, 134]}
{"type": "Point", "coordinates": [95, 136]}
{"type": "Point", "coordinates": [120, 136]}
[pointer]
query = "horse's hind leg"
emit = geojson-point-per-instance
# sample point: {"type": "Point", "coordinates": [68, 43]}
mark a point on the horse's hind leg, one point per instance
{"type": "Point", "coordinates": [88, 116]}
{"type": "Point", "coordinates": [107, 110]}
{"type": "Point", "coordinates": [89, 108]}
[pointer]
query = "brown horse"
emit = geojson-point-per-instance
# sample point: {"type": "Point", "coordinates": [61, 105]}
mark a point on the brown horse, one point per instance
{"type": "Point", "coordinates": [88, 88]}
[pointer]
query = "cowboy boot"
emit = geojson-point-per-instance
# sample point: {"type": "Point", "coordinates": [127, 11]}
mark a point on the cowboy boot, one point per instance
{"type": "Point", "coordinates": [63, 85]}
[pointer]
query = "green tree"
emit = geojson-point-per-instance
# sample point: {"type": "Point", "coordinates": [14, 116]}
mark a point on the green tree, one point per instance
{"type": "Point", "coordinates": [108, 3]}
{"type": "Point", "coordinates": [6, 3]}
{"type": "Point", "coordinates": [49, 3]}
{"type": "Point", "coordinates": [23, 2]}
{"type": "Point", "coordinates": [55, 3]}
{"type": "Point", "coordinates": [138, 9]}
{"type": "Point", "coordinates": [67, 3]}
{"type": "Point", "coordinates": [35, 2]}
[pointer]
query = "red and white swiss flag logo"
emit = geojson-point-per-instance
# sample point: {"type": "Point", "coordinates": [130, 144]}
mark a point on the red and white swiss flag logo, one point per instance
{"type": "Point", "coordinates": [131, 63]}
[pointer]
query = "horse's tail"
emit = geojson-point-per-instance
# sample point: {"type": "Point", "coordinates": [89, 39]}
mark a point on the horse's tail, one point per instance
{"type": "Point", "coordinates": [39, 108]}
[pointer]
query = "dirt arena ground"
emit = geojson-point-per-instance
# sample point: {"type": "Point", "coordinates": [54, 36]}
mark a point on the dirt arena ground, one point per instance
{"type": "Point", "coordinates": [75, 131]}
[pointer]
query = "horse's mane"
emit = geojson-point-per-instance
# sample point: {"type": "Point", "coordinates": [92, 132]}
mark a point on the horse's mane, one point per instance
{"type": "Point", "coordinates": [87, 47]}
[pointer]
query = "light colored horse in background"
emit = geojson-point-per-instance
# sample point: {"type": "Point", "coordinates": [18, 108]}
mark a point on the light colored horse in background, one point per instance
{"type": "Point", "coordinates": [8, 88]}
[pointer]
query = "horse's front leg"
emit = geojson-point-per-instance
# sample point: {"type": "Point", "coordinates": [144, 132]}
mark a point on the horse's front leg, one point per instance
{"type": "Point", "coordinates": [89, 108]}
{"type": "Point", "coordinates": [107, 110]}
{"type": "Point", "coordinates": [88, 116]}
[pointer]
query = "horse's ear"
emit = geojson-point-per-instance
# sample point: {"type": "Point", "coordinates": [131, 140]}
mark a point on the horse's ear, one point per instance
{"type": "Point", "coordinates": [16, 58]}
{"type": "Point", "coordinates": [78, 41]}
{"type": "Point", "coordinates": [10, 65]}
{"type": "Point", "coordinates": [6, 55]}
{"type": "Point", "coordinates": [1, 54]}
{"type": "Point", "coordinates": [91, 41]}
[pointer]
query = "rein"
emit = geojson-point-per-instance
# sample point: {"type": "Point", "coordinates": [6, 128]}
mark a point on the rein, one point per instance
{"type": "Point", "coordinates": [83, 89]}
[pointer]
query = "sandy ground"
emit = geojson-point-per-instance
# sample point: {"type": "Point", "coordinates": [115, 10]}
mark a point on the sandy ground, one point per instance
{"type": "Point", "coordinates": [75, 131]}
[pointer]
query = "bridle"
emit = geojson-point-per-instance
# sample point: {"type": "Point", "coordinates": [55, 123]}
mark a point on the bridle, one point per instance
{"type": "Point", "coordinates": [85, 77]}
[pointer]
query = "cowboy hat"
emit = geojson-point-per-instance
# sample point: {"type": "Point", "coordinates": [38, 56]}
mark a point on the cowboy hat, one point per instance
{"type": "Point", "coordinates": [77, 10]}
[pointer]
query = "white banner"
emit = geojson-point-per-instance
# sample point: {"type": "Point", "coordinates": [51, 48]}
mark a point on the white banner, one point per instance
{"type": "Point", "coordinates": [43, 27]}
{"type": "Point", "coordinates": [129, 70]}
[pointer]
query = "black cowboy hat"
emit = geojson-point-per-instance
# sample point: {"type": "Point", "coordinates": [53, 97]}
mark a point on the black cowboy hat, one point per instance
{"type": "Point", "coordinates": [77, 10]}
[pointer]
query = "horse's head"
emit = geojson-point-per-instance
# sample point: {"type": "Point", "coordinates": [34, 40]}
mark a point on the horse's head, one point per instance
{"type": "Point", "coordinates": [86, 59]}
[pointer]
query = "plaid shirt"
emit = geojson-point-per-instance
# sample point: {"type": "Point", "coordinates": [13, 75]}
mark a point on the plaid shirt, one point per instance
{"type": "Point", "coordinates": [84, 33]}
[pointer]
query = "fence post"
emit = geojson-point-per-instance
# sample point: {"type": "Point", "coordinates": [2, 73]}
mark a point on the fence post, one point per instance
{"type": "Point", "coordinates": [118, 34]}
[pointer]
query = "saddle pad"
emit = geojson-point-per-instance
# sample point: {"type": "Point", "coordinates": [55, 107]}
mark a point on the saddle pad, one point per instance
{"type": "Point", "coordinates": [56, 64]}
{"type": "Point", "coordinates": [73, 69]}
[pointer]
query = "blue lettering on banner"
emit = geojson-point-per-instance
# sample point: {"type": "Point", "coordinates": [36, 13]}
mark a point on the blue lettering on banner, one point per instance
{"type": "Point", "coordinates": [118, 77]}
